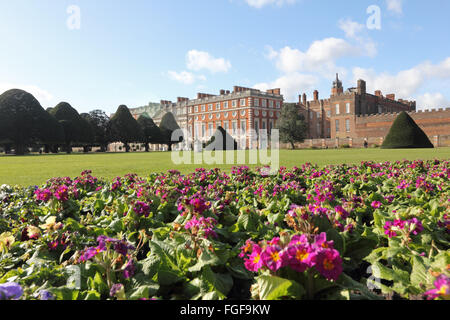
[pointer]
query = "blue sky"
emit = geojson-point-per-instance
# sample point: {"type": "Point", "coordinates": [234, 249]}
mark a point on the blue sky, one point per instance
{"type": "Point", "coordinates": [134, 52]}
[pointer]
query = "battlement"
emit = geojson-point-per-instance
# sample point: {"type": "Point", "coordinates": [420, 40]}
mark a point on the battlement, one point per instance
{"type": "Point", "coordinates": [433, 112]}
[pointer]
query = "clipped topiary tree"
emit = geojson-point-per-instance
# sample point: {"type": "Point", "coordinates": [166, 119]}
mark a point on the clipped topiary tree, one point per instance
{"type": "Point", "coordinates": [168, 125]}
{"type": "Point", "coordinates": [88, 136]}
{"type": "Point", "coordinates": [221, 140]}
{"type": "Point", "coordinates": [72, 123]}
{"type": "Point", "coordinates": [22, 120]}
{"type": "Point", "coordinates": [150, 131]}
{"type": "Point", "coordinates": [124, 127]}
{"type": "Point", "coordinates": [405, 133]}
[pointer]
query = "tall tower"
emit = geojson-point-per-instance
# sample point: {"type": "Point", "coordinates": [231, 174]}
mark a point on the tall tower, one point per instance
{"type": "Point", "coordinates": [337, 87]}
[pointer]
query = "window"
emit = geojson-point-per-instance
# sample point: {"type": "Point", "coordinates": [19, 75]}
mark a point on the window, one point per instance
{"type": "Point", "coordinates": [270, 103]}
{"type": "Point", "coordinates": [210, 129]}
{"type": "Point", "coordinates": [257, 126]}
{"type": "Point", "coordinates": [234, 114]}
{"type": "Point", "coordinates": [347, 125]}
{"type": "Point", "coordinates": [218, 124]}
{"type": "Point", "coordinates": [203, 130]}
{"type": "Point", "coordinates": [337, 125]}
{"type": "Point", "coordinates": [256, 102]}
{"type": "Point", "coordinates": [210, 116]}
{"type": "Point", "coordinates": [243, 113]}
{"type": "Point", "coordinates": [210, 107]}
{"type": "Point", "coordinates": [225, 104]}
{"type": "Point", "coordinates": [243, 126]}
{"type": "Point", "coordinates": [264, 103]}
{"type": "Point", "coordinates": [203, 117]}
{"type": "Point", "coordinates": [196, 108]}
{"type": "Point", "coordinates": [217, 106]}
{"type": "Point", "coordinates": [234, 127]}
{"type": "Point", "coordinates": [225, 115]}
{"type": "Point", "coordinates": [225, 125]}
{"type": "Point", "coordinates": [338, 111]}
{"type": "Point", "coordinates": [256, 113]}
{"type": "Point", "coordinates": [329, 113]}
{"type": "Point", "coordinates": [347, 108]}
{"type": "Point", "coordinates": [203, 108]}
{"type": "Point", "coordinates": [278, 104]}
{"type": "Point", "coordinates": [264, 125]}
{"type": "Point", "coordinates": [242, 103]}
{"type": "Point", "coordinates": [233, 103]}
{"type": "Point", "coordinates": [271, 114]}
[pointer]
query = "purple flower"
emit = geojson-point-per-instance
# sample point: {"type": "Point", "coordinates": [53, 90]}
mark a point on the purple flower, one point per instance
{"type": "Point", "coordinates": [46, 295]}
{"type": "Point", "coordinates": [129, 270]}
{"type": "Point", "coordinates": [142, 208]}
{"type": "Point", "coordinates": [342, 212]}
{"type": "Point", "coordinates": [442, 288]}
{"type": "Point", "coordinates": [115, 289]}
{"type": "Point", "coordinates": [329, 264]}
{"type": "Point", "coordinates": [376, 204]}
{"type": "Point", "coordinates": [10, 291]}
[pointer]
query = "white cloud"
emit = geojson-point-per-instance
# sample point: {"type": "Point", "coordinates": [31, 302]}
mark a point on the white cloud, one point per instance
{"type": "Point", "coordinates": [350, 27]}
{"type": "Point", "coordinates": [432, 101]}
{"type": "Point", "coordinates": [320, 57]}
{"type": "Point", "coordinates": [41, 95]}
{"type": "Point", "coordinates": [185, 77]}
{"type": "Point", "coordinates": [406, 82]}
{"type": "Point", "coordinates": [262, 3]}
{"type": "Point", "coordinates": [395, 6]}
{"type": "Point", "coordinates": [291, 85]}
{"type": "Point", "coordinates": [199, 60]}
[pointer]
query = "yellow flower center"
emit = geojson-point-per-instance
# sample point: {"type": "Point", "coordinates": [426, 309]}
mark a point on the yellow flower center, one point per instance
{"type": "Point", "coordinates": [275, 256]}
{"type": "Point", "coordinates": [301, 255]}
{"type": "Point", "coordinates": [443, 291]}
{"type": "Point", "coordinates": [328, 264]}
{"type": "Point", "coordinates": [256, 259]}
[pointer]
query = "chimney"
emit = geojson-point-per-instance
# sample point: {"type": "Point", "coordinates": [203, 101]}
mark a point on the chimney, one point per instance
{"type": "Point", "coordinates": [316, 95]}
{"type": "Point", "coordinates": [277, 91]}
{"type": "Point", "coordinates": [222, 92]}
{"type": "Point", "coordinates": [390, 96]}
{"type": "Point", "coordinates": [304, 99]}
{"type": "Point", "coordinates": [361, 87]}
{"type": "Point", "coordinates": [378, 93]}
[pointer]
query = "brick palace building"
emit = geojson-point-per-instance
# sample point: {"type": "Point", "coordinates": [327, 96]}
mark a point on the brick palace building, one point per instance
{"type": "Point", "coordinates": [356, 115]}
{"type": "Point", "coordinates": [238, 111]}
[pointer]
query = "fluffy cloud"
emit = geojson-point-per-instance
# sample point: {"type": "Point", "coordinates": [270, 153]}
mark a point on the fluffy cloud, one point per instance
{"type": "Point", "coordinates": [407, 83]}
{"type": "Point", "coordinates": [185, 77]}
{"type": "Point", "coordinates": [350, 27]}
{"type": "Point", "coordinates": [432, 101]}
{"type": "Point", "coordinates": [41, 95]}
{"type": "Point", "coordinates": [261, 3]}
{"type": "Point", "coordinates": [199, 60]}
{"type": "Point", "coordinates": [291, 85]}
{"type": "Point", "coordinates": [395, 6]}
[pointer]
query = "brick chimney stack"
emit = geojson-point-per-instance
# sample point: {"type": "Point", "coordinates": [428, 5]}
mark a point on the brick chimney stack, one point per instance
{"type": "Point", "coordinates": [361, 87]}
{"type": "Point", "coordinates": [378, 93]}
{"type": "Point", "coordinates": [304, 99]}
{"type": "Point", "coordinates": [316, 95]}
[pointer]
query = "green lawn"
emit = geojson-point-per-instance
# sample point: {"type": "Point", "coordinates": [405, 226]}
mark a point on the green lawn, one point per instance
{"type": "Point", "coordinates": [36, 169]}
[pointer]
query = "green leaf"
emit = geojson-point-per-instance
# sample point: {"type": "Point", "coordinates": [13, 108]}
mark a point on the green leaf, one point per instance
{"type": "Point", "coordinates": [275, 288]}
{"type": "Point", "coordinates": [92, 295]}
{"type": "Point", "coordinates": [64, 293]}
{"type": "Point", "coordinates": [206, 258]}
{"type": "Point", "coordinates": [419, 274]}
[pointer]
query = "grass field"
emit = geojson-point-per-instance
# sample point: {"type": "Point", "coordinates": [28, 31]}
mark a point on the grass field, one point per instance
{"type": "Point", "coordinates": [36, 169]}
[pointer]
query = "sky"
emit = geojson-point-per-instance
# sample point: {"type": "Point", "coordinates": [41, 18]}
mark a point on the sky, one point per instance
{"type": "Point", "coordinates": [104, 53]}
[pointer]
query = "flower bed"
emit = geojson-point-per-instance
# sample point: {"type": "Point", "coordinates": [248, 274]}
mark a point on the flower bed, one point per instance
{"type": "Point", "coordinates": [338, 232]}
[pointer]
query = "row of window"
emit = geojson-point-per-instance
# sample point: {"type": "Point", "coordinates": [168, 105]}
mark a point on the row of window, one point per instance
{"type": "Point", "coordinates": [337, 111]}
{"type": "Point", "coordinates": [347, 125]}
{"type": "Point", "coordinates": [234, 115]}
{"type": "Point", "coordinates": [206, 130]}
{"type": "Point", "coordinates": [242, 103]}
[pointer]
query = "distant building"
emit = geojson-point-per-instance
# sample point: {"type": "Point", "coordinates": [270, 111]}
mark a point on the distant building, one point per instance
{"type": "Point", "coordinates": [237, 112]}
{"type": "Point", "coordinates": [336, 116]}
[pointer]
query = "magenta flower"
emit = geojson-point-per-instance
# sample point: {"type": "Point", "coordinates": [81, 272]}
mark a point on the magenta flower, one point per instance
{"type": "Point", "coordinates": [388, 229]}
{"type": "Point", "coordinates": [141, 208]}
{"type": "Point", "coordinates": [298, 239]}
{"type": "Point", "coordinates": [415, 226]}
{"type": "Point", "coordinates": [376, 204]}
{"type": "Point", "coordinates": [441, 290]}
{"type": "Point", "coordinates": [301, 257]}
{"type": "Point", "coordinates": [329, 264]}
{"type": "Point", "coordinates": [254, 261]}
{"type": "Point", "coordinates": [342, 212]}
{"type": "Point", "coordinates": [322, 243]}
{"type": "Point", "coordinates": [246, 249]}
{"type": "Point", "coordinates": [43, 195]}
{"type": "Point", "coordinates": [62, 193]}
{"type": "Point", "coordinates": [273, 257]}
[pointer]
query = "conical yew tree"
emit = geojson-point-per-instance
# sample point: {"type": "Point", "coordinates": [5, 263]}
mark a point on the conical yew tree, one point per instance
{"type": "Point", "coordinates": [405, 133]}
{"type": "Point", "coordinates": [221, 140]}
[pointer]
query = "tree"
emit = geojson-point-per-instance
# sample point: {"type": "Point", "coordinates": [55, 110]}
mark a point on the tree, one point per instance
{"type": "Point", "coordinates": [168, 125]}
{"type": "Point", "coordinates": [102, 128]}
{"type": "Point", "coordinates": [150, 131]}
{"type": "Point", "coordinates": [405, 133]}
{"type": "Point", "coordinates": [72, 124]}
{"type": "Point", "coordinates": [22, 120]}
{"type": "Point", "coordinates": [124, 127]}
{"type": "Point", "coordinates": [292, 125]}
{"type": "Point", "coordinates": [88, 137]}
